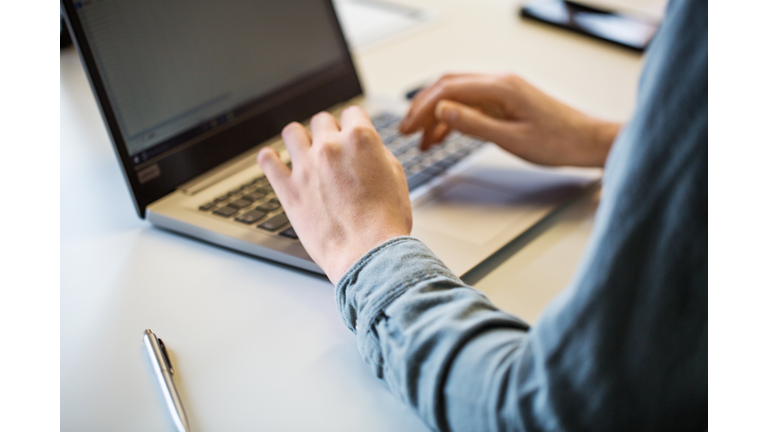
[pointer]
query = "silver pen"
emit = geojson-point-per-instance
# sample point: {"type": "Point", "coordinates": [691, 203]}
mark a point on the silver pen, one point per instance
{"type": "Point", "coordinates": [161, 365]}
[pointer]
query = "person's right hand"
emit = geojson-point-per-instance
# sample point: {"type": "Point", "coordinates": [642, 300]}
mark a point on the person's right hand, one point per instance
{"type": "Point", "coordinates": [508, 111]}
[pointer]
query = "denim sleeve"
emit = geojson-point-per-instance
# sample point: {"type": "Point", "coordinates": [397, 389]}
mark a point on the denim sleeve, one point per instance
{"type": "Point", "coordinates": [411, 316]}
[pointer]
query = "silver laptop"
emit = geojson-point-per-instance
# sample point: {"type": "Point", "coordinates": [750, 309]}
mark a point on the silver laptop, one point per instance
{"type": "Point", "coordinates": [191, 90]}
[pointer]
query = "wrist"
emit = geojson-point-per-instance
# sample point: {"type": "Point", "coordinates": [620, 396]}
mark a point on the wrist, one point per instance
{"type": "Point", "coordinates": [602, 134]}
{"type": "Point", "coordinates": [345, 256]}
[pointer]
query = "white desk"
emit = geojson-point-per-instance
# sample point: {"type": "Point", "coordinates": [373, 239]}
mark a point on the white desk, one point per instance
{"type": "Point", "coordinates": [259, 346]}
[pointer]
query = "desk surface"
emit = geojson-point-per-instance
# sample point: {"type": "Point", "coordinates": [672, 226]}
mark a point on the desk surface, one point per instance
{"type": "Point", "coordinates": [259, 346]}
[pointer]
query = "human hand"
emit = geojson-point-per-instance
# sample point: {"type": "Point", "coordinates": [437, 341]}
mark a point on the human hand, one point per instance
{"type": "Point", "coordinates": [510, 112]}
{"type": "Point", "coordinates": [345, 194]}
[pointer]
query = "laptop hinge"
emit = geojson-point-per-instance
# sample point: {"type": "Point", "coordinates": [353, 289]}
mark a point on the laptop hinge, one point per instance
{"type": "Point", "coordinates": [246, 160]}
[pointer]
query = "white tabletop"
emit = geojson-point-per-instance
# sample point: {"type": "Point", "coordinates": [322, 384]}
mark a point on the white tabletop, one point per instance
{"type": "Point", "coordinates": [260, 346]}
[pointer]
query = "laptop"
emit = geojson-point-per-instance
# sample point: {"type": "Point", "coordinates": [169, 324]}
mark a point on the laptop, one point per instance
{"type": "Point", "coordinates": [191, 90]}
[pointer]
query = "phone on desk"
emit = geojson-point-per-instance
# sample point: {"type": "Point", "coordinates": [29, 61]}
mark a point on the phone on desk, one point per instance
{"type": "Point", "coordinates": [627, 31]}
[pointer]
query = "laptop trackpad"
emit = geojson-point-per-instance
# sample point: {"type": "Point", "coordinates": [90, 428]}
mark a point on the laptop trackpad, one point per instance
{"type": "Point", "coordinates": [470, 211]}
{"type": "Point", "coordinates": [482, 202]}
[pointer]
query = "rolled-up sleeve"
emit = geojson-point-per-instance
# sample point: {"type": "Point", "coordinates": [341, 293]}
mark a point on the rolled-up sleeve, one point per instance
{"type": "Point", "coordinates": [412, 316]}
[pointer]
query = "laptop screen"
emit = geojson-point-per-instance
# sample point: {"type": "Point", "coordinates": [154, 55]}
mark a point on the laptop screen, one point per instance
{"type": "Point", "coordinates": [174, 70]}
{"type": "Point", "coordinates": [186, 85]}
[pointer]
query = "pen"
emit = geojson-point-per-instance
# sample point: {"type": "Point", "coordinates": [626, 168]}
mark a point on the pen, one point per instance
{"type": "Point", "coordinates": [161, 365]}
{"type": "Point", "coordinates": [412, 93]}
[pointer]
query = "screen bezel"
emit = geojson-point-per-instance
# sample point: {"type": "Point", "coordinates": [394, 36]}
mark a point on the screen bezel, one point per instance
{"type": "Point", "coordinates": [295, 101]}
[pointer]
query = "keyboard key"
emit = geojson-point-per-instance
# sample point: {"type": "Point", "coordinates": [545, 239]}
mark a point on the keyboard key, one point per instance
{"type": "Point", "coordinates": [275, 222]}
{"type": "Point", "coordinates": [269, 206]}
{"type": "Point", "coordinates": [383, 120]}
{"type": "Point", "coordinates": [250, 217]}
{"type": "Point", "coordinates": [226, 211]}
{"type": "Point", "coordinates": [441, 153]}
{"type": "Point", "coordinates": [255, 195]}
{"type": "Point", "coordinates": [266, 189]}
{"type": "Point", "coordinates": [464, 151]}
{"type": "Point", "coordinates": [290, 233]}
{"type": "Point", "coordinates": [453, 146]}
{"type": "Point", "coordinates": [417, 180]}
{"type": "Point", "coordinates": [389, 132]}
{"type": "Point", "coordinates": [443, 164]}
{"type": "Point", "coordinates": [432, 170]}
{"type": "Point", "coordinates": [410, 153]}
{"type": "Point", "coordinates": [240, 203]}
{"type": "Point", "coordinates": [413, 169]}
{"type": "Point", "coordinates": [261, 182]}
{"type": "Point", "coordinates": [207, 206]}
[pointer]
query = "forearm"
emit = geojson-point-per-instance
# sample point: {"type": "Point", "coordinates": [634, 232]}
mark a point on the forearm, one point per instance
{"type": "Point", "coordinates": [412, 317]}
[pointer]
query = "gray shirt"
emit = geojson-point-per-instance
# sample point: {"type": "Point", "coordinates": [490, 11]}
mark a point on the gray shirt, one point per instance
{"type": "Point", "coordinates": [624, 347]}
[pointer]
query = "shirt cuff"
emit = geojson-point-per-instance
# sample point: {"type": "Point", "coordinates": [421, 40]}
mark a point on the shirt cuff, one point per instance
{"type": "Point", "coordinates": [382, 275]}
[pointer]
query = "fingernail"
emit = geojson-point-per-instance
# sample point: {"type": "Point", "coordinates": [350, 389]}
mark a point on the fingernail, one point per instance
{"type": "Point", "coordinates": [445, 112]}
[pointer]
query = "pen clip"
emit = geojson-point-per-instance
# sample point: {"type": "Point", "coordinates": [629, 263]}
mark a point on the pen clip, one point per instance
{"type": "Point", "coordinates": [165, 354]}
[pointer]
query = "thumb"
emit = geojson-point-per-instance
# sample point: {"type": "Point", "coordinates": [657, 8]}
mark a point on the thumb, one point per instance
{"type": "Point", "coordinates": [473, 122]}
{"type": "Point", "coordinates": [276, 171]}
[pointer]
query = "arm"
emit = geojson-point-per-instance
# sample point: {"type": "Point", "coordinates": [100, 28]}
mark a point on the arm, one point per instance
{"type": "Point", "coordinates": [623, 348]}
{"type": "Point", "coordinates": [347, 199]}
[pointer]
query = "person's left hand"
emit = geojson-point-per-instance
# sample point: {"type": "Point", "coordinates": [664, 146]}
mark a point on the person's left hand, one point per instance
{"type": "Point", "coordinates": [345, 194]}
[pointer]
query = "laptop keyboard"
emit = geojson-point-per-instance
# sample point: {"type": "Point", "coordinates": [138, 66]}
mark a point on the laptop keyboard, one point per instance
{"type": "Point", "coordinates": [421, 167]}
{"type": "Point", "coordinates": [254, 203]}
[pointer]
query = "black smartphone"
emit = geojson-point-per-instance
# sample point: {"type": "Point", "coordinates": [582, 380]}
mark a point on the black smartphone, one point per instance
{"type": "Point", "coordinates": [64, 38]}
{"type": "Point", "coordinates": [627, 31]}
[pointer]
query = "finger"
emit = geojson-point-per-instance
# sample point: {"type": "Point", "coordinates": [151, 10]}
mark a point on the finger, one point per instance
{"type": "Point", "coordinates": [276, 171]}
{"type": "Point", "coordinates": [473, 122]}
{"type": "Point", "coordinates": [427, 137]}
{"type": "Point", "coordinates": [472, 90]}
{"type": "Point", "coordinates": [354, 116]}
{"type": "Point", "coordinates": [324, 127]}
{"type": "Point", "coordinates": [296, 140]}
{"type": "Point", "coordinates": [357, 129]}
{"type": "Point", "coordinates": [418, 97]}
{"type": "Point", "coordinates": [441, 131]}
{"type": "Point", "coordinates": [418, 101]}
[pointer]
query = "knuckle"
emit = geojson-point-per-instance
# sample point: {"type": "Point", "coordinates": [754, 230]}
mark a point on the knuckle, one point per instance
{"type": "Point", "coordinates": [512, 79]}
{"type": "Point", "coordinates": [362, 134]}
{"type": "Point", "coordinates": [329, 150]}
{"type": "Point", "coordinates": [445, 78]}
{"type": "Point", "coordinates": [443, 84]}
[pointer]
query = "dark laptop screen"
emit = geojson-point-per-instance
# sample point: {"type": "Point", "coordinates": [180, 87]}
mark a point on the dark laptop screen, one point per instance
{"type": "Point", "coordinates": [174, 70]}
{"type": "Point", "coordinates": [186, 85]}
